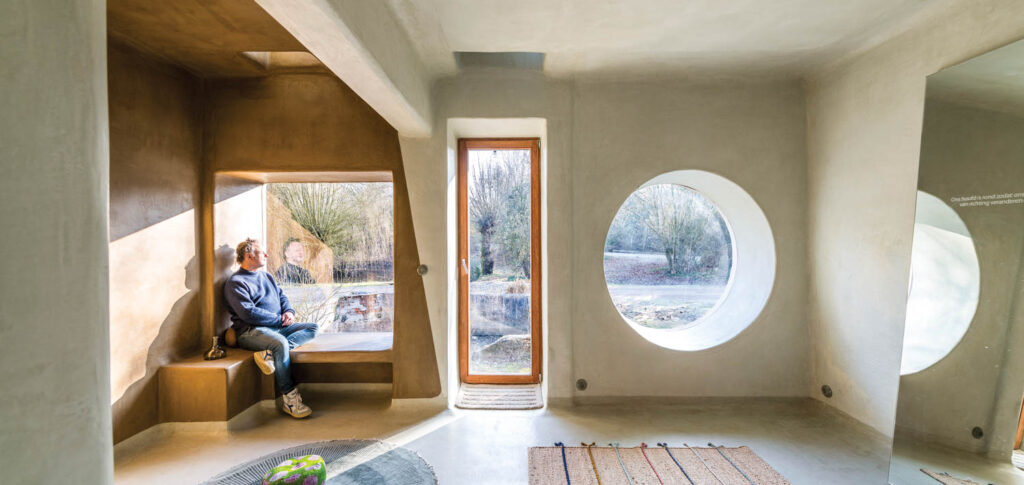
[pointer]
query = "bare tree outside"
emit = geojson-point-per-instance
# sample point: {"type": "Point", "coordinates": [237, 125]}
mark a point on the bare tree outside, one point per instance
{"type": "Point", "coordinates": [500, 260]}
{"type": "Point", "coordinates": [668, 256]}
{"type": "Point", "coordinates": [486, 193]}
{"type": "Point", "coordinates": [331, 249]}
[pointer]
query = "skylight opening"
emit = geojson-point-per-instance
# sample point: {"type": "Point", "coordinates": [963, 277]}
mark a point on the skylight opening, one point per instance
{"type": "Point", "coordinates": [282, 59]}
{"type": "Point", "coordinates": [510, 60]}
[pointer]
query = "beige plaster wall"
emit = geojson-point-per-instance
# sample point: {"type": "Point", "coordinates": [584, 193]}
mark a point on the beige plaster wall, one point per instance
{"type": "Point", "coordinates": [864, 130]}
{"type": "Point", "coordinates": [603, 140]}
{"type": "Point", "coordinates": [624, 134]}
{"type": "Point", "coordinates": [363, 45]}
{"type": "Point", "coordinates": [54, 369]}
{"type": "Point", "coordinates": [154, 187]}
{"type": "Point", "coordinates": [968, 151]}
{"type": "Point", "coordinates": [495, 94]}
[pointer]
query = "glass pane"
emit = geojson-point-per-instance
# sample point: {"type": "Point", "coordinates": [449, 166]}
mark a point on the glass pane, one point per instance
{"type": "Point", "coordinates": [945, 282]}
{"type": "Point", "coordinates": [331, 249]}
{"type": "Point", "coordinates": [499, 262]}
{"type": "Point", "coordinates": [668, 257]}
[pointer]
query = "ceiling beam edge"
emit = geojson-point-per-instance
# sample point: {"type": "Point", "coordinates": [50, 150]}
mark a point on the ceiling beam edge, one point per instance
{"type": "Point", "coordinates": [403, 100]}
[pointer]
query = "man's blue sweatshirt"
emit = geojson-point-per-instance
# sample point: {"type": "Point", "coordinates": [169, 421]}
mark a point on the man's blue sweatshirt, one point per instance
{"type": "Point", "coordinates": [254, 299]}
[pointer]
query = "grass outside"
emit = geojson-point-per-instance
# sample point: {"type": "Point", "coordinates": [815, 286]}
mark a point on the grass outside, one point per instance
{"type": "Point", "coordinates": [644, 292]}
{"type": "Point", "coordinates": [496, 355]}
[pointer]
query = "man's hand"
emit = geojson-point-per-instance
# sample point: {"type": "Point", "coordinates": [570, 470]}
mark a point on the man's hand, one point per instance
{"type": "Point", "coordinates": [287, 318]}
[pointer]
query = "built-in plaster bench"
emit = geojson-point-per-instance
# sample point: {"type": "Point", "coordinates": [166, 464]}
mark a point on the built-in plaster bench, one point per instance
{"type": "Point", "coordinates": [194, 389]}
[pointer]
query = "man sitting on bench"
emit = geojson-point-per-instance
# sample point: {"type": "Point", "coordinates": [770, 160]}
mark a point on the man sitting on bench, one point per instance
{"type": "Point", "coordinates": [264, 321]}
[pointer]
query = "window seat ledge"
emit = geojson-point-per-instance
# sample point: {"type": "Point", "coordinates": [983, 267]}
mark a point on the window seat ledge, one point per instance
{"type": "Point", "coordinates": [346, 347]}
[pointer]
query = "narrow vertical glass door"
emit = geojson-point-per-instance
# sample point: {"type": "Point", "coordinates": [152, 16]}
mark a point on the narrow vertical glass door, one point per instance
{"type": "Point", "coordinates": [499, 262]}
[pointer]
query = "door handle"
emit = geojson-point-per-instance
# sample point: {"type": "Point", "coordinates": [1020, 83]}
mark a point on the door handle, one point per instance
{"type": "Point", "coordinates": [465, 267]}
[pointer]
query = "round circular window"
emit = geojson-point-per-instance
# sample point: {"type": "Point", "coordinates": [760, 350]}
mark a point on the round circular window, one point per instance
{"type": "Point", "coordinates": [689, 260]}
{"type": "Point", "coordinates": [944, 285]}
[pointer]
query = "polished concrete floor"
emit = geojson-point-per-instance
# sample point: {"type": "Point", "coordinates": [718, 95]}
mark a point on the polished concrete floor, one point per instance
{"type": "Point", "coordinates": [910, 456]}
{"type": "Point", "coordinates": [806, 441]}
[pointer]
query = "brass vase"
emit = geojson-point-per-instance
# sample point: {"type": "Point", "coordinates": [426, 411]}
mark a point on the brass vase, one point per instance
{"type": "Point", "coordinates": [215, 352]}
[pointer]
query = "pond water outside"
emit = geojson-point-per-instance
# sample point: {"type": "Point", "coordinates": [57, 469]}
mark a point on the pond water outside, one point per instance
{"type": "Point", "coordinates": [499, 330]}
{"type": "Point", "coordinates": [499, 354]}
{"type": "Point", "coordinates": [344, 307]}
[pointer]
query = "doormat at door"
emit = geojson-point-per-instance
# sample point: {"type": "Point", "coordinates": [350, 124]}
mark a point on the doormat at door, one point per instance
{"type": "Point", "coordinates": [499, 396]}
{"type": "Point", "coordinates": [645, 465]}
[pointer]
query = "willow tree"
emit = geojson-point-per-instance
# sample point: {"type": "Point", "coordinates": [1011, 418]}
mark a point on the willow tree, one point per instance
{"type": "Point", "coordinates": [499, 209]}
{"type": "Point", "coordinates": [320, 208]}
{"type": "Point", "coordinates": [684, 224]}
{"type": "Point", "coordinates": [356, 220]}
{"type": "Point", "coordinates": [514, 233]}
{"type": "Point", "coordinates": [485, 208]}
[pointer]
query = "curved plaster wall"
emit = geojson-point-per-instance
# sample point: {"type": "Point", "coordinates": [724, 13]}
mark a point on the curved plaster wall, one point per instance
{"type": "Point", "coordinates": [56, 373]}
{"type": "Point", "coordinates": [864, 142]}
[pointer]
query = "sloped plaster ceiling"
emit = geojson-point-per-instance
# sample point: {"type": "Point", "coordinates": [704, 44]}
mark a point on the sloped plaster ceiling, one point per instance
{"type": "Point", "coordinates": [643, 37]}
{"type": "Point", "coordinates": [205, 37]}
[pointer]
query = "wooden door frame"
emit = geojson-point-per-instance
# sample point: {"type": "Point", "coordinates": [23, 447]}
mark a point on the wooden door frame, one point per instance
{"type": "Point", "coordinates": [1020, 427]}
{"type": "Point", "coordinates": [536, 341]}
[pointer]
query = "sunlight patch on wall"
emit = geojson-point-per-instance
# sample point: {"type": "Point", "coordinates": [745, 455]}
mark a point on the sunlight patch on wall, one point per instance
{"type": "Point", "coordinates": [154, 278]}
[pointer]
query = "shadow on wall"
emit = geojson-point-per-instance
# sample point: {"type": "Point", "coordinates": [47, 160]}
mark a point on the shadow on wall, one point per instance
{"type": "Point", "coordinates": [238, 213]}
{"type": "Point", "coordinates": [223, 267]}
{"type": "Point", "coordinates": [155, 158]}
{"type": "Point", "coordinates": [137, 408]}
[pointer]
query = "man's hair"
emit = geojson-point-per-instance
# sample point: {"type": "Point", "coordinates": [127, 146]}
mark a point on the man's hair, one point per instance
{"type": "Point", "coordinates": [245, 247]}
{"type": "Point", "coordinates": [287, 243]}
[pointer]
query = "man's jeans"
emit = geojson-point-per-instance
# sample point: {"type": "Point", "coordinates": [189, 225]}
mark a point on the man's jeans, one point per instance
{"type": "Point", "coordinates": [280, 340]}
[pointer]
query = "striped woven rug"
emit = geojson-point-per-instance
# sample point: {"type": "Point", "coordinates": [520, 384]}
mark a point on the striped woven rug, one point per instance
{"type": "Point", "coordinates": [947, 479]}
{"type": "Point", "coordinates": [655, 465]}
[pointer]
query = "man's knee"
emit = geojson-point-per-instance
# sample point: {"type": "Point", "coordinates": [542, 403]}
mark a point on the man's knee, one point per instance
{"type": "Point", "coordinates": [259, 338]}
{"type": "Point", "coordinates": [277, 342]}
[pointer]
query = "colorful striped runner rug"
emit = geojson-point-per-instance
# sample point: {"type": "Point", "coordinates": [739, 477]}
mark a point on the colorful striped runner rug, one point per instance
{"type": "Point", "coordinates": [649, 465]}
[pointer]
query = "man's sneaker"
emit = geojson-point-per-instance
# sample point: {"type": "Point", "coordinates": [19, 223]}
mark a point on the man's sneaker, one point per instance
{"type": "Point", "coordinates": [265, 361]}
{"type": "Point", "coordinates": [292, 404]}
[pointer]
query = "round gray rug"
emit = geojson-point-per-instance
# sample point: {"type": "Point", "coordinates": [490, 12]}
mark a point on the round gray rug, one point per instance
{"type": "Point", "coordinates": [349, 462]}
